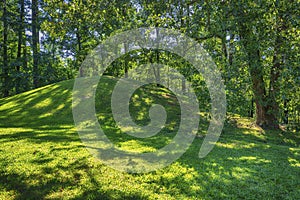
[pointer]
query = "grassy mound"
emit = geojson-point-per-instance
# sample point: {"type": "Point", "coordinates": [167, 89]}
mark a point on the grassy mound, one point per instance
{"type": "Point", "coordinates": [42, 156]}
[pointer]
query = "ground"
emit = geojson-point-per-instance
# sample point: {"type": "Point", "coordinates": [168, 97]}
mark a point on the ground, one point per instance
{"type": "Point", "coordinates": [42, 156]}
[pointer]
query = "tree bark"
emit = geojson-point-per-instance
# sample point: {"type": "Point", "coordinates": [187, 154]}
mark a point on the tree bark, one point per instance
{"type": "Point", "coordinates": [125, 61]}
{"type": "Point", "coordinates": [25, 67]}
{"type": "Point", "coordinates": [265, 117]}
{"type": "Point", "coordinates": [251, 109]}
{"type": "Point", "coordinates": [274, 88]}
{"type": "Point", "coordinates": [35, 42]}
{"type": "Point", "coordinates": [20, 43]}
{"type": "Point", "coordinates": [276, 69]}
{"type": "Point", "coordinates": [5, 75]}
{"type": "Point", "coordinates": [78, 54]}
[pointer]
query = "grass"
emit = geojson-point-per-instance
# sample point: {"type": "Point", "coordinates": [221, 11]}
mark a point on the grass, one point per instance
{"type": "Point", "coordinates": [42, 156]}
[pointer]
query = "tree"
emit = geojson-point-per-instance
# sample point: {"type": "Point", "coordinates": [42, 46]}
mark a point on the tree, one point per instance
{"type": "Point", "coordinates": [254, 45]}
{"type": "Point", "coordinates": [5, 74]}
{"type": "Point", "coordinates": [35, 42]}
{"type": "Point", "coordinates": [259, 30]}
{"type": "Point", "coordinates": [21, 44]}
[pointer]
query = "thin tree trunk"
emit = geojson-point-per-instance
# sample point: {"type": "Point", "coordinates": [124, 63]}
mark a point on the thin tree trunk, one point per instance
{"type": "Point", "coordinates": [20, 43]}
{"type": "Point", "coordinates": [158, 67]}
{"type": "Point", "coordinates": [125, 61]}
{"type": "Point", "coordinates": [5, 75]}
{"type": "Point", "coordinates": [26, 83]}
{"type": "Point", "coordinates": [78, 56]}
{"type": "Point", "coordinates": [35, 43]}
{"type": "Point", "coordinates": [251, 110]}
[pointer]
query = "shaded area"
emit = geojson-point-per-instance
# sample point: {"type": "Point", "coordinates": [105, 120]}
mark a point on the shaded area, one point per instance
{"type": "Point", "coordinates": [43, 158]}
{"type": "Point", "coordinates": [139, 105]}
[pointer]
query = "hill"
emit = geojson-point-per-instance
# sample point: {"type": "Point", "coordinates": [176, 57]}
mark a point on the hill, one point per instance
{"type": "Point", "coordinates": [42, 156]}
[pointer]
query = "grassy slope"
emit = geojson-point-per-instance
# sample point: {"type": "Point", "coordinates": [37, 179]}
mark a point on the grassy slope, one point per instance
{"type": "Point", "coordinates": [41, 156]}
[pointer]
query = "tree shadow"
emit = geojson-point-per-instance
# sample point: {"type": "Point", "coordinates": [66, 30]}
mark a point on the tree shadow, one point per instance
{"type": "Point", "coordinates": [42, 157]}
{"type": "Point", "coordinates": [244, 169]}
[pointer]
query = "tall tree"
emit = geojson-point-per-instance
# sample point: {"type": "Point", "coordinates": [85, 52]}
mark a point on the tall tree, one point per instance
{"type": "Point", "coordinates": [253, 31]}
{"type": "Point", "coordinates": [5, 74]}
{"type": "Point", "coordinates": [21, 33]}
{"type": "Point", "coordinates": [35, 42]}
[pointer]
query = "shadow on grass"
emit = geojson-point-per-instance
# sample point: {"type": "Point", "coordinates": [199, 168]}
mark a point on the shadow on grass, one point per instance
{"type": "Point", "coordinates": [40, 186]}
{"type": "Point", "coordinates": [237, 169]}
{"type": "Point", "coordinates": [42, 157]}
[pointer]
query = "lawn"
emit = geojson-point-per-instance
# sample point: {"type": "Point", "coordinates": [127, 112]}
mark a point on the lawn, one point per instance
{"type": "Point", "coordinates": [42, 156]}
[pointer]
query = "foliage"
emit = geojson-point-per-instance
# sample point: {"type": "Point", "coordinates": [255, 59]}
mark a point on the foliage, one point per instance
{"type": "Point", "coordinates": [254, 44]}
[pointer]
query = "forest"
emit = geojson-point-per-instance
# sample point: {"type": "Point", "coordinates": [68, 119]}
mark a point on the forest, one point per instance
{"type": "Point", "coordinates": [254, 44]}
{"type": "Point", "coordinates": [51, 114]}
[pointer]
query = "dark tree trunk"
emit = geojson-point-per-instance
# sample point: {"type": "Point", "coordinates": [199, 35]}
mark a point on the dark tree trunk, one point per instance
{"type": "Point", "coordinates": [5, 75]}
{"type": "Point", "coordinates": [20, 43]}
{"type": "Point", "coordinates": [35, 43]}
{"type": "Point", "coordinates": [276, 69]}
{"type": "Point", "coordinates": [251, 110]}
{"type": "Point", "coordinates": [78, 56]}
{"type": "Point", "coordinates": [265, 115]}
{"type": "Point", "coordinates": [26, 83]}
{"type": "Point", "coordinates": [125, 61]}
{"type": "Point", "coordinates": [274, 86]}
{"type": "Point", "coordinates": [158, 67]}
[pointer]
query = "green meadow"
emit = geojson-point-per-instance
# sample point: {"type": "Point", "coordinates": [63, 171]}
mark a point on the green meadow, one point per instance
{"type": "Point", "coordinates": [42, 156]}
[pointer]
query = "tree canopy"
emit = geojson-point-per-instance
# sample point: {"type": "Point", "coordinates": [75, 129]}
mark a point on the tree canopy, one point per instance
{"type": "Point", "coordinates": [255, 45]}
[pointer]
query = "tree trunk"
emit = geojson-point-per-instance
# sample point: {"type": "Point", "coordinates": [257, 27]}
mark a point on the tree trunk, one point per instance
{"type": "Point", "coordinates": [26, 83]}
{"type": "Point", "coordinates": [125, 61]}
{"type": "Point", "coordinates": [78, 56]}
{"type": "Point", "coordinates": [276, 69]}
{"type": "Point", "coordinates": [5, 75]}
{"type": "Point", "coordinates": [265, 117]}
{"type": "Point", "coordinates": [251, 110]}
{"type": "Point", "coordinates": [35, 43]}
{"type": "Point", "coordinates": [20, 43]}
{"type": "Point", "coordinates": [158, 66]}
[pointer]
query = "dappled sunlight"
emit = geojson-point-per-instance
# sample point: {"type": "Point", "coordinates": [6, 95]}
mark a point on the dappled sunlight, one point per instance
{"type": "Point", "coordinates": [250, 159]}
{"type": "Point", "coordinates": [139, 106]}
{"type": "Point", "coordinates": [45, 103]}
{"type": "Point", "coordinates": [10, 130]}
{"type": "Point", "coordinates": [135, 146]}
{"type": "Point", "coordinates": [293, 162]}
{"type": "Point", "coordinates": [251, 133]}
{"type": "Point", "coordinates": [41, 155]}
{"type": "Point", "coordinates": [39, 105]}
{"type": "Point", "coordinates": [240, 173]}
{"type": "Point", "coordinates": [236, 144]}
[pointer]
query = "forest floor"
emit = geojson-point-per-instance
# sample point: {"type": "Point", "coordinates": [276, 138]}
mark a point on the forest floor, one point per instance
{"type": "Point", "coordinates": [42, 156]}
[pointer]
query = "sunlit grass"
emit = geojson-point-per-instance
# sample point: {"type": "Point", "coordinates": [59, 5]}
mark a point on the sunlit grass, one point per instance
{"type": "Point", "coordinates": [42, 157]}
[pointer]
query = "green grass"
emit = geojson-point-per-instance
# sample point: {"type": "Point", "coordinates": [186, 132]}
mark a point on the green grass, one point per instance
{"type": "Point", "coordinates": [42, 156]}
